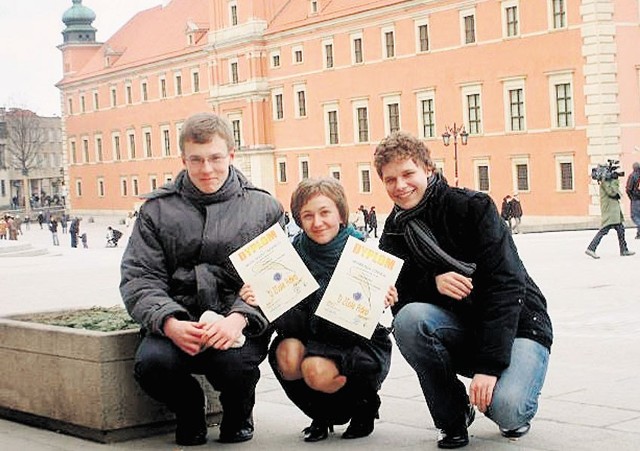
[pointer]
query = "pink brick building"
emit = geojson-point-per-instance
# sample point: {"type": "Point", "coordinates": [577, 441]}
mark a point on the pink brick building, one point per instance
{"type": "Point", "coordinates": [545, 89]}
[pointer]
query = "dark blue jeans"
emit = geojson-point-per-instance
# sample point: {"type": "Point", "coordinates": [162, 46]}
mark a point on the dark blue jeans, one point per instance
{"type": "Point", "coordinates": [435, 344]}
{"type": "Point", "coordinates": [619, 228]}
{"type": "Point", "coordinates": [164, 371]}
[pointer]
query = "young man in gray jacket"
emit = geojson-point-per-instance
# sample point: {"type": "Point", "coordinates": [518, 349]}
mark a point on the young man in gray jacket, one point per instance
{"type": "Point", "coordinates": [176, 267]}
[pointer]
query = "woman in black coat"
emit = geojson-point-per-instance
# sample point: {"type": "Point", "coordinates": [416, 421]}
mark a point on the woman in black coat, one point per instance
{"type": "Point", "coordinates": [333, 375]}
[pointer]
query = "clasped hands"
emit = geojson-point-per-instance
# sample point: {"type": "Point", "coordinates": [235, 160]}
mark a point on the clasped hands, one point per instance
{"type": "Point", "coordinates": [192, 337]}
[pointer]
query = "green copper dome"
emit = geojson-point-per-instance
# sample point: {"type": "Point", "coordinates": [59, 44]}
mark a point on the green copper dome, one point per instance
{"type": "Point", "coordinates": [78, 14]}
{"type": "Point", "coordinates": [78, 20]}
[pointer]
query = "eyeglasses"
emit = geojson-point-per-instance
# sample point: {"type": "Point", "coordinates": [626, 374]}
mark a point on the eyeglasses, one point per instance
{"type": "Point", "coordinates": [213, 160]}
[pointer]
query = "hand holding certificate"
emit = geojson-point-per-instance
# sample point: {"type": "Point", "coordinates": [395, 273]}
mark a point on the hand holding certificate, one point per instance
{"type": "Point", "coordinates": [275, 271]}
{"type": "Point", "coordinates": [355, 296]}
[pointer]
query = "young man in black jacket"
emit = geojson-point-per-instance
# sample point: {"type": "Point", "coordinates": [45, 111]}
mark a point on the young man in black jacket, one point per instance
{"type": "Point", "coordinates": [466, 303]}
{"type": "Point", "coordinates": [176, 267]}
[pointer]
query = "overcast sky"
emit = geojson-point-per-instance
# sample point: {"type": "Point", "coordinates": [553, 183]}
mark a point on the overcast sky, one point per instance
{"type": "Point", "coordinates": [30, 31]}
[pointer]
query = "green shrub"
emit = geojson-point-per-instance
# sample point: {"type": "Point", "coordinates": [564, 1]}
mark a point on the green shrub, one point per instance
{"type": "Point", "coordinates": [103, 319]}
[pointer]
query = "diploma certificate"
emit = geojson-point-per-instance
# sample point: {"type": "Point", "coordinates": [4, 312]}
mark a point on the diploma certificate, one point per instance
{"type": "Point", "coordinates": [275, 271]}
{"type": "Point", "coordinates": [354, 298]}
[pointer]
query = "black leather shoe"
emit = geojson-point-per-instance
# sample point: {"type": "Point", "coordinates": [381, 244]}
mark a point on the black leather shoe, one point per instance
{"type": "Point", "coordinates": [515, 433]}
{"type": "Point", "coordinates": [244, 434]}
{"type": "Point", "coordinates": [316, 431]}
{"type": "Point", "coordinates": [189, 435]}
{"type": "Point", "coordinates": [358, 428]}
{"type": "Point", "coordinates": [457, 437]}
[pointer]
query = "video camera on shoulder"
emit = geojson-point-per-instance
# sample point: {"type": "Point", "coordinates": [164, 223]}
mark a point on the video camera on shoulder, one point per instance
{"type": "Point", "coordinates": [605, 172]}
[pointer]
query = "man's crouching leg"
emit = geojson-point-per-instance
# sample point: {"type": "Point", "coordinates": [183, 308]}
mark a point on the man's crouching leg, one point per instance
{"type": "Point", "coordinates": [515, 397]}
{"type": "Point", "coordinates": [164, 373]}
{"type": "Point", "coordinates": [429, 338]}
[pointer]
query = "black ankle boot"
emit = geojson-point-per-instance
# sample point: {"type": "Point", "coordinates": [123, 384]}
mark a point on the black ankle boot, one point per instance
{"type": "Point", "coordinates": [361, 424]}
{"type": "Point", "coordinates": [316, 431]}
{"type": "Point", "coordinates": [191, 430]}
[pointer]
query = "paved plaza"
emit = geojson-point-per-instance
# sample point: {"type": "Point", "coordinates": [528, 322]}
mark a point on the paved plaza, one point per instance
{"type": "Point", "coordinates": [590, 401]}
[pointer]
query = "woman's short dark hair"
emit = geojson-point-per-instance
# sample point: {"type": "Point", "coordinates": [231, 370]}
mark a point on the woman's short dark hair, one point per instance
{"type": "Point", "coordinates": [307, 189]}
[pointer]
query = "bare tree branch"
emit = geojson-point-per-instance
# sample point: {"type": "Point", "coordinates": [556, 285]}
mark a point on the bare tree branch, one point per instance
{"type": "Point", "coordinates": [25, 136]}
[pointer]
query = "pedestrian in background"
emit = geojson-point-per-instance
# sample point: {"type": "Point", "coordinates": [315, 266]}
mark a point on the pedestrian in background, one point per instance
{"type": "Point", "coordinates": [633, 191]}
{"type": "Point", "coordinates": [373, 222]}
{"type": "Point", "coordinates": [53, 228]}
{"type": "Point", "coordinates": [516, 214]}
{"type": "Point", "coordinates": [74, 231]}
{"type": "Point", "coordinates": [611, 217]}
{"type": "Point", "coordinates": [505, 210]}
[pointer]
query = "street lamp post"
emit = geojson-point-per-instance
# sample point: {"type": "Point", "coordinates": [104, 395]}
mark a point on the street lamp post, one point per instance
{"type": "Point", "coordinates": [454, 132]}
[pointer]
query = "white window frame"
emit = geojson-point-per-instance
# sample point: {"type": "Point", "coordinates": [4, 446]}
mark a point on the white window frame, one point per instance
{"type": "Point", "coordinates": [325, 43]}
{"type": "Point", "coordinates": [515, 162]}
{"type": "Point", "coordinates": [152, 179]}
{"type": "Point", "coordinates": [295, 49]}
{"type": "Point", "coordinates": [428, 94]}
{"type": "Point", "coordinates": [233, 61]}
{"type": "Point", "coordinates": [144, 89]}
{"type": "Point", "coordinates": [364, 167]}
{"type": "Point", "coordinates": [505, 5]}
{"type": "Point", "coordinates": [556, 79]}
{"type": "Point", "coordinates": [477, 162]}
{"type": "Point", "coordinates": [335, 169]}
{"type": "Point", "coordinates": [231, 117]}
{"type": "Point", "coordinates": [161, 94]}
{"type": "Point", "coordinates": [85, 149]}
{"type": "Point", "coordinates": [300, 87]}
{"type": "Point", "coordinates": [195, 75]}
{"type": "Point", "coordinates": [124, 187]}
{"type": "Point", "coordinates": [463, 35]}
{"type": "Point", "coordinates": [78, 187]}
{"type": "Point", "coordinates": [147, 152]}
{"type": "Point", "coordinates": [128, 93]}
{"type": "Point", "coordinates": [113, 96]}
{"type": "Point", "coordinates": [100, 187]}
{"type": "Point", "coordinates": [178, 76]}
{"type": "Point", "coordinates": [467, 91]}
{"type": "Point", "coordinates": [507, 86]}
{"type": "Point", "coordinates": [565, 158]}
{"type": "Point", "coordinates": [355, 105]}
{"type": "Point", "coordinates": [352, 39]}
{"type": "Point", "coordinates": [326, 109]}
{"type": "Point", "coordinates": [383, 39]}
{"type": "Point", "coordinates": [96, 100]}
{"type": "Point", "coordinates": [135, 186]}
{"type": "Point", "coordinates": [272, 57]}
{"type": "Point", "coordinates": [165, 129]}
{"type": "Point", "coordinates": [231, 4]}
{"type": "Point", "coordinates": [168, 177]}
{"type": "Point", "coordinates": [97, 137]}
{"type": "Point", "coordinates": [131, 132]}
{"type": "Point", "coordinates": [274, 110]}
{"type": "Point", "coordinates": [417, 24]}
{"type": "Point", "coordinates": [550, 16]}
{"type": "Point", "coordinates": [301, 161]}
{"type": "Point", "coordinates": [114, 155]}
{"type": "Point", "coordinates": [386, 101]}
{"type": "Point", "coordinates": [279, 162]}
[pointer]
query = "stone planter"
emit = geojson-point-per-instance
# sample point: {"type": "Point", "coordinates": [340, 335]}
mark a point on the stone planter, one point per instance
{"type": "Point", "coordinates": [79, 382]}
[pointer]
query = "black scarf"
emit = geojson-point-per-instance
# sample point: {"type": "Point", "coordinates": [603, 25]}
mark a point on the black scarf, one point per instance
{"type": "Point", "coordinates": [231, 187]}
{"type": "Point", "coordinates": [421, 240]}
{"type": "Point", "coordinates": [321, 259]}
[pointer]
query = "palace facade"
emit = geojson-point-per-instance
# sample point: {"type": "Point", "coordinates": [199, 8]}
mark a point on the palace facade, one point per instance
{"type": "Point", "coordinates": [545, 90]}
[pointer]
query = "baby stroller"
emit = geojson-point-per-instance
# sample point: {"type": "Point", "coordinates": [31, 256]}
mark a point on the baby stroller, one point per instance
{"type": "Point", "coordinates": [113, 236]}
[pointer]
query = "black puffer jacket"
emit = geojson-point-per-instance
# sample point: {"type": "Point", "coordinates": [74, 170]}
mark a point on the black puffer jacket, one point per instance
{"type": "Point", "coordinates": [177, 260]}
{"type": "Point", "coordinates": [505, 302]}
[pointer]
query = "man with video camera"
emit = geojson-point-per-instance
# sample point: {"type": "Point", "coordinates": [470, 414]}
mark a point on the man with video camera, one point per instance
{"type": "Point", "coordinates": [611, 212]}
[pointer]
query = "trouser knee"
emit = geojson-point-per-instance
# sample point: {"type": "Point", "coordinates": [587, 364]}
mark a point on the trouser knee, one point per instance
{"type": "Point", "coordinates": [511, 409]}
